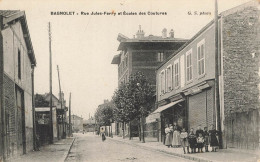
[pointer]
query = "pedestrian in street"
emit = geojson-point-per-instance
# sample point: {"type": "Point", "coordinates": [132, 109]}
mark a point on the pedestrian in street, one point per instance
{"type": "Point", "coordinates": [103, 136]}
{"type": "Point", "coordinates": [168, 140]}
{"type": "Point", "coordinates": [176, 141]}
{"type": "Point", "coordinates": [192, 141]}
{"type": "Point", "coordinates": [198, 131]}
{"type": "Point", "coordinates": [184, 140]}
{"type": "Point", "coordinates": [206, 139]}
{"type": "Point", "coordinates": [213, 138]}
{"type": "Point", "coordinates": [200, 143]}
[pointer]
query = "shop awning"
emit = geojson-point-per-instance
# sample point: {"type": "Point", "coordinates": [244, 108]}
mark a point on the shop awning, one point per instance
{"type": "Point", "coordinates": [164, 107]}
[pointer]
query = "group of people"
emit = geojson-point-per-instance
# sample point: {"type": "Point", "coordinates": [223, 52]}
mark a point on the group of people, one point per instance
{"type": "Point", "coordinates": [177, 136]}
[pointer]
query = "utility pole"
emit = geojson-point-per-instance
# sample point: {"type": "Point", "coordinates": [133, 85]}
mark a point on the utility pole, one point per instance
{"type": "Point", "coordinates": [51, 125]}
{"type": "Point", "coordinates": [2, 109]}
{"type": "Point", "coordinates": [217, 73]}
{"type": "Point", "coordinates": [61, 104]}
{"type": "Point", "coordinates": [70, 134]}
{"type": "Point", "coordinates": [35, 147]}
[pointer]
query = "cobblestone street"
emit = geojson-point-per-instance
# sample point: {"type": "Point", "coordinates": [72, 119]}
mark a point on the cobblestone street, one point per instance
{"type": "Point", "coordinates": [89, 147]}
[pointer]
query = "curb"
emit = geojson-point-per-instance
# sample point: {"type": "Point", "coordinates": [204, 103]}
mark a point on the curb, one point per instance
{"type": "Point", "coordinates": [69, 149]}
{"type": "Point", "coordinates": [167, 152]}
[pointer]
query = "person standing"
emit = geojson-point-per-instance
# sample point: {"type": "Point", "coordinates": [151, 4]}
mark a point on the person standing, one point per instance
{"type": "Point", "coordinates": [184, 140]}
{"type": "Point", "coordinates": [206, 138]}
{"type": "Point", "coordinates": [213, 138]}
{"type": "Point", "coordinates": [176, 141]}
{"type": "Point", "coordinates": [168, 136]}
{"type": "Point", "coordinates": [192, 141]}
{"type": "Point", "coordinates": [103, 136]}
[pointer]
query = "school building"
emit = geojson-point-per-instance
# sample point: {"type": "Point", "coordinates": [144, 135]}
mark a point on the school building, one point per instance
{"type": "Point", "coordinates": [143, 53]}
{"type": "Point", "coordinates": [185, 82]}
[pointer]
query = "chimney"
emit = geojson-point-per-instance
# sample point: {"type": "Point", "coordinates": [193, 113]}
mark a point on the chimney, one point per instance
{"type": "Point", "coordinates": [164, 33]}
{"type": "Point", "coordinates": [171, 33]}
{"type": "Point", "coordinates": [140, 33]}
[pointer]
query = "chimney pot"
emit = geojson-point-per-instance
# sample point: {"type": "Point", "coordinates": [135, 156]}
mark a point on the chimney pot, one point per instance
{"type": "Point", "coordinates": [164, 33]}
{"type": "Point", "coordinates": [171, 33]}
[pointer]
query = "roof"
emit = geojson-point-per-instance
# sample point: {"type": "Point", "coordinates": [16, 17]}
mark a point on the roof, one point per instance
{"type": "Point", "coordinates": [9, 16]}
{"type": "Point", "coordinates": [147, 39]}
{"type": "Point", "coordinates": [47, 95]}
{"type": "Point", "coordinates": [89, 121]}
{"type": "Point", "coordinates": [116, 59]}
{"type": "Point", "coordinates": [224, 13]}
{"type": "Point", "coordinates": [77, 116]}
{"type": "Point", "coordinates": [8, 13]}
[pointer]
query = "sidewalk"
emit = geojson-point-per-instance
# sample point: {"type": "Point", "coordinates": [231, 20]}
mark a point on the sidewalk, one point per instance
{"type": "Point", "coordinates": [56, 152]}
{"type": "Point", "coordinates": [222, 155]}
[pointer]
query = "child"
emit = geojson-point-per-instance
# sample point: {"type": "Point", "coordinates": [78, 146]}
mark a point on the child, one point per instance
{"type": "Point", "coordinates": [184, 140]}
{"type": "Point", "coordinates": [206, 136]}
{"type": "Point", "coordinates": [192, 141]}
{"type": "Point", "coordinates": [200, 142]}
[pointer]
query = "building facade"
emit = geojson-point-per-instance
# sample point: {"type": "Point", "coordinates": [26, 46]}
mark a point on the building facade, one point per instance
{"type": "Point", "coordinates": [145, 54]}
{"type": "Point", "coordinates": [186, 81]}
{"type": "Point", "coordinates": [16, 85]}
{"type": "Point", "coordinates": [77, 123]}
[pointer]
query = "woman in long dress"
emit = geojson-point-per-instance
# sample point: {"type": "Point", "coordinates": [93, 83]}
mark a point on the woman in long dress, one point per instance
{"type": "Point", "coordinates": [168, 136]}
{"type": "Point", "coordinates": [184, 141]}
{"type": "Point", "coordinates": [176, 141]}
{"type": "Point", "coordinates": [213, 138]}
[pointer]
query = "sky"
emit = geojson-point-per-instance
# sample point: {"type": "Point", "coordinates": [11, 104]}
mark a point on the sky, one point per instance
{"type": "Point", "coordinates": [83, 45]}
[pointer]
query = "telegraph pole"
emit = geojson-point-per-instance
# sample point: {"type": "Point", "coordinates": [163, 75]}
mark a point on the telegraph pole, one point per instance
{"type": "Point", "coordinates": [51, 125]}
{"type": "Point", "coordinates": [2, 109]}
{"type": "Point", "coordinates": [70, 117]}
{"type": "Point", "coordinates": [61, 104]}
{"type": "Point", "coordinates": [217, 73]}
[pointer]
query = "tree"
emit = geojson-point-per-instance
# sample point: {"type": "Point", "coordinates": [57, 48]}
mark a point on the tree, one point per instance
{"type": "Point", "coordinates": [40, 101]}
{"type": "Point", "coordinates": [134, 100]}
{"type": "Point", "coordinates": [104, 114]}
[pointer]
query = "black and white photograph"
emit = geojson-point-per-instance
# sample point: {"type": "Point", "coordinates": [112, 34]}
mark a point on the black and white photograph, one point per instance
{"type": "Point", "coordinates": [129, 81]}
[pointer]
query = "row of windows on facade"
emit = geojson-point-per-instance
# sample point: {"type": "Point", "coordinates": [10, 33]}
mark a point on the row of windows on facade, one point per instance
{"type": "Point", "coordinates": [124, 63]}
{"type": "Point", "coordinates": [170, 77]}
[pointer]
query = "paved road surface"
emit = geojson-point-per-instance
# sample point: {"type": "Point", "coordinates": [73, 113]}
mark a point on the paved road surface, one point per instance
{"type": "Point", "coordinates": [89, 147]}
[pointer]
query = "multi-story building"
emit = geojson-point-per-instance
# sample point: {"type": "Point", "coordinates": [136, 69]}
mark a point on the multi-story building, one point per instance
{"type": "Point", "coordinates": [17, 63]}
{"type": "Point", "coordinates": [145, 54]}
{"type": "Point", "coordinates": [186, 80]}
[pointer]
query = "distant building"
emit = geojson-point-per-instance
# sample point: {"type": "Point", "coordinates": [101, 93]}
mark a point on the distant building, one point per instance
{"type": "Point", "coordinates": [186, 80]}
{"type": "Point", "coordinates": [77, 123]}
{"type": "Point", "coordinates": [89, 125]}
{"type": "Point", "coordinates": [59, 127]}
{"type": "Point", "coordinates": [17, 63]}
{"type": "Point", "coordinates": [145, 54]}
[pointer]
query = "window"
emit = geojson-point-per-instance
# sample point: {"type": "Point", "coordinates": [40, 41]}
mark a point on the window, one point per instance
{"type": "Point", "coordinates": [189, 65]}
{"type": "Point", "coordinates": [169, 78]}
{"type": "Point", "coordinates": [176, 73]}
{"type": "Point", "coordinates": [162, 82]}
{"type": "Point", "coordinates": [19, 65]}
{"type": "Point", "coordinates": [201, 57]}
{"type": "Point", "coordinates": [160, 56]}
